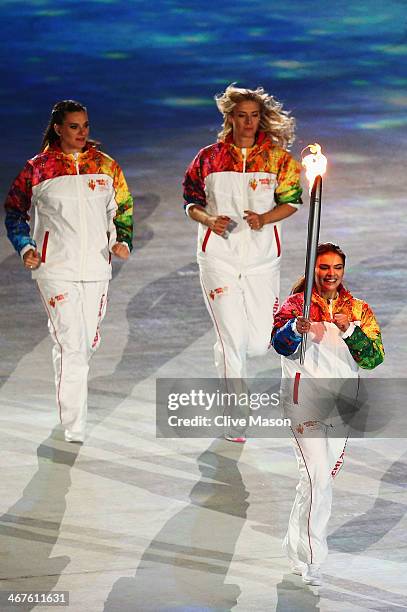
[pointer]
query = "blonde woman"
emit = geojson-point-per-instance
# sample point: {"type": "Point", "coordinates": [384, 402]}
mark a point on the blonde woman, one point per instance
{"type": "Point", "coordinates": [239, 191]}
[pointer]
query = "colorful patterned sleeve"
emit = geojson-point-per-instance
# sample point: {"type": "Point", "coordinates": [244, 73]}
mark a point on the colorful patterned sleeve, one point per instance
{"type": "Point", "coordinates": [365, 343]}
{"type": "Point", "coordinates": [288, 189]}
{"type": "Point", "coordinates": [123, 219]}
{"type": "Point", "coordinates": [194, 190]}
{"type": "Point", "coordinates": [17, 205]}
{"type": "Point", "coordinates": [283, 338]}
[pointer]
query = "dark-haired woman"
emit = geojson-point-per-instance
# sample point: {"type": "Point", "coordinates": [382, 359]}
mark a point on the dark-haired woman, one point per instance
{"type": "Point", "coordinates": [343, 335]}
{"type": "Point", "coordinates": [83, 213]}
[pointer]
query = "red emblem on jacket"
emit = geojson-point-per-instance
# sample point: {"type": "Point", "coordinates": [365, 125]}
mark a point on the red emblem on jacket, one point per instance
{"type": "Point", "coordinates": [218, 291]}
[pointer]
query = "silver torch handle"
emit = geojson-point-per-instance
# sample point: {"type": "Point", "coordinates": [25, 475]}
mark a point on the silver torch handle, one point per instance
{"type": "Point", "coordinates": [312, 245]}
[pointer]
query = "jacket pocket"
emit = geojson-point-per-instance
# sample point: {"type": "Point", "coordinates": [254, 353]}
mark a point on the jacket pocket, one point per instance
{"type": "Point", "coordinates": [278, 243]}
{"type": "Point", "coordinates": [44, 247]}
{"type": "Point", "coordinates": [205, 240]}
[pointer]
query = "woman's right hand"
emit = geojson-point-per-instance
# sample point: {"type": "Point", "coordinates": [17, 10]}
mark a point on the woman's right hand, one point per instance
{"type": "Point", "coordinates": [302, 325]}
{"type": "Point", "coordinates": [218, 223]}
{"type": "Point", "coordinates": [32, 259]}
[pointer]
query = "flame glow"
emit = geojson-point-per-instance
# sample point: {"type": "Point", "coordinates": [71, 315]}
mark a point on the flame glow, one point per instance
{"type": "Point", "coordinates": [314, 163]}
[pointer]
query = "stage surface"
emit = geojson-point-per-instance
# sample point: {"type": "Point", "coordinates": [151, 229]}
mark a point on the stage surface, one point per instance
{"type": "Point", "coordinates": [128, 521]}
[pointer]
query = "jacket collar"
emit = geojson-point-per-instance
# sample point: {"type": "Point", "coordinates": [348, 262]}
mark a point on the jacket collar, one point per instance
{"type": "Point", "coordinates": [55, 148]}
{"type": "Point", "coordinates": [343, 296]}
{"type": "Point", "coordinates": [262, 141]}
{"type": "Point", "coordinates": [261, 137]}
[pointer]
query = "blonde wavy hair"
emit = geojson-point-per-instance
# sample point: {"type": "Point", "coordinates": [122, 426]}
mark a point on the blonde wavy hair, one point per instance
{"type": "Point", "coordinates": [275, 121]}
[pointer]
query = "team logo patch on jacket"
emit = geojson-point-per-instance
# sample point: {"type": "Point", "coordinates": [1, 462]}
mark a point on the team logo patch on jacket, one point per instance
{"type": "Point", "coordinates": [265, 183]}
{"type": "Point", "coordinates": [218, 291]}
{"type": "Point", "coordinates": [102, 183]}
{"type": "Point", "coordinates": [253, 184]}
{"type": "Point", "coordinates": [53, 301]}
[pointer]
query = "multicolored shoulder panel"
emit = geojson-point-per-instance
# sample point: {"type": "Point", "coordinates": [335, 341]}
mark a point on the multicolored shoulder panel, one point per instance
{"type": "Point", "coordinates": [52, 163]}
{"type": "Point", "coordinates": [365, 343]}
{"type": "Point", "coordinates": [226, 157]}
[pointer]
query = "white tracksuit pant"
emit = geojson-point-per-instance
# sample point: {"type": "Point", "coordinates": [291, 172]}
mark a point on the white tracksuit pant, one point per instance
{"type": "Point", "coordinates": [241, 307]}
{"type": "Point", "coordinates": [319, 459]}
{"type": "Point", "coordinates": [75, 311]}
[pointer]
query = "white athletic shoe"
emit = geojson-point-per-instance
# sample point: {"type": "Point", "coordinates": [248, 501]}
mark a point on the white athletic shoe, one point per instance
{"type": "Point", "coordinates": [298, 567]}
{"type": "Point", "coordinates": [71, 436]}
{"type": "Point", "coordinates": [312, 575]}
{"type": "Point", "coordinates": [238, 439]}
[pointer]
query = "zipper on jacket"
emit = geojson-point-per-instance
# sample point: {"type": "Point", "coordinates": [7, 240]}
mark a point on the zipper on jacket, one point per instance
{"type": "Point", "coordinates": [245, 207]}
{"type": "Point", "coordinates": [82, 218]}
{"type": "Point", "coordinates": [331, 312]}
{"type": "Point", "coordinates": [244, 153]}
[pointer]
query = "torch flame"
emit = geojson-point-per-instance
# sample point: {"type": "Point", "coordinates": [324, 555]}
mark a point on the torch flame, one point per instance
{"type": "Point", "coordinates": [314, 163]}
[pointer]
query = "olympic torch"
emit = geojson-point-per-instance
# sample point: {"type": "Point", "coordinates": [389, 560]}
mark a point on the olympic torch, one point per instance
{"type": "Point", "coordinates": [315, 167]}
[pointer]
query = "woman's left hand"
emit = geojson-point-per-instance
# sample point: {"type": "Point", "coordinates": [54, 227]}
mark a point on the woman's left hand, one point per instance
{"type": "Point", "coordinates": [341, 320]}
{"type": "Point", "coordinates": [254, 220]}
{"type": "Point", "coordinates": [121, 250]}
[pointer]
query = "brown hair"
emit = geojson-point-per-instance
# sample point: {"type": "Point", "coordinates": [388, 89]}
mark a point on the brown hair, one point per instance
{"type": "Point", "coordinates": [324, 247]}
{"type": "Point", "coordinates": [58, 113]}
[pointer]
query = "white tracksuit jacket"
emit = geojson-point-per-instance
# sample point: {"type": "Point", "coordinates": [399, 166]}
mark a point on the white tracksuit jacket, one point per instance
{"type": "Point", "coordinates": [82, 208]}
{"type": "Point", "coordinates": [240, 274]}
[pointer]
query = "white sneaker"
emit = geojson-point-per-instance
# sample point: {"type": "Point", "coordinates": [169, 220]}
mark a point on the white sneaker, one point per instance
{"type": "Point", "coordinates": [238, 439]}
{"type": "Point", "coordinates": [312, 575]}
{"type": "Point", "coordinates": [298, 567]}
{"type": "Point", "coordinates": [71, 436]}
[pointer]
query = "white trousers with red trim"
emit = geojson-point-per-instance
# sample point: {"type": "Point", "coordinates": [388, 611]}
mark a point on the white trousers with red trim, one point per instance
{"type": "Point", "coordinates": [319, 459]}
{"type": "Point", "coordinates": [242, 308]}
{"type": "Point", "coordinates": [75, 311]}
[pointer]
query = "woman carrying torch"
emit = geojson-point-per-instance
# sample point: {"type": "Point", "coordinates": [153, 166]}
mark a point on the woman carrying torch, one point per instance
{"type": "Point", "coordinates": [343, 335]}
